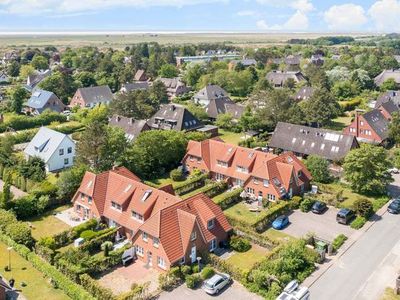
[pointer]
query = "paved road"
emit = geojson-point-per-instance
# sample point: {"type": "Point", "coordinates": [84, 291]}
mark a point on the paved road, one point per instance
{"type": "Point", "coordinates": [324, 226]}
{"type": "Point", "coordinates": [367, 267]}
{"type": "Point", "coordinates": [233, 292]}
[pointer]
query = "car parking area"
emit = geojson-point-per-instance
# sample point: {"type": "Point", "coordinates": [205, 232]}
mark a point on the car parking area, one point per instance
{"type": "Point", "coordinates": [324, 225]}
{"type": "Point", "coordinates": [230, 292]}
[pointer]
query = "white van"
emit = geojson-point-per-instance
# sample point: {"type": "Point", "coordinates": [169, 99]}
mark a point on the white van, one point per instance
{"type": "Point", "coordinates": [293, 291]}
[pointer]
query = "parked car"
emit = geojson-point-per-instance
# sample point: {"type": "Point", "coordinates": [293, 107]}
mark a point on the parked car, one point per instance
{"type": "Point", "coordinates": [213, 285]}
{"type": "Point", "coordinates": [344, 216]}
{"type": "Point", "coordinates": [293, 291]}
{"type": "Point", "coordinates": [319, 207]}
{"type": "Point", "coordinates": [394, 207]}
{"type": "Point", "coordinates": [280, 222]}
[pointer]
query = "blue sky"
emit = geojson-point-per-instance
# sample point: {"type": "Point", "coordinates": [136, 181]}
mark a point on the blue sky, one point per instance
{"type": "Point", "coordinates": [201, 15]}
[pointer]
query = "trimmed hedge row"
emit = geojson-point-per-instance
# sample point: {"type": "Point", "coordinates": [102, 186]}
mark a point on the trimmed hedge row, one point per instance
{"type": "Point", "coordinates": [21, 122]}
{"type": "Point", "coordinates": [228, 199]}
{"type": "Point", "coordinates": [226, 267]}
{"type": "Point", "coordinates": [190, 185]}
{"type": "Point", "coordinates": [94, 244]}
{"type": "Point", "coordinates": [70, 288]}
{"type": "Point", "coordinates": [213, 189]}
{"type": "Point", "coordinates": [66, 237]}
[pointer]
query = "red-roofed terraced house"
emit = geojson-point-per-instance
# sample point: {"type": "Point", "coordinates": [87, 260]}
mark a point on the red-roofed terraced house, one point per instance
{"type": "Point", "coordinates": [261, 174]}
{"type": "Point", "coordinates": [165, 230]}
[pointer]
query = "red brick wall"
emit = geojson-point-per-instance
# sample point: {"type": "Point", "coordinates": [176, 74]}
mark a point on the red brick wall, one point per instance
{"type": "Point", "coordinates": [360, 132]}
{"type": "Point", "coordinates": [77, 100]}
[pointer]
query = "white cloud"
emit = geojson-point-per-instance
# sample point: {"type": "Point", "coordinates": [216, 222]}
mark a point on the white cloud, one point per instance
{"type": "Point", "coordinates": [247, 13]}
{"type": "Point", "coordinates": [297, 22]}
{"type": "Point", "coordinates": [40, 7]}
{"type": "Point", "coordinates": [385, 14]}
{"type": "Point", "coordinates": [300, 5]}
{"type": "Point", "coordinates": [347, 16]}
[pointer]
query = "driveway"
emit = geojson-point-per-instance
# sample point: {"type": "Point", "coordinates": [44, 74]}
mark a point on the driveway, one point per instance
{"type": "Point", "coordinates": [232, 292]}
{"type": "Point", "coordinates": [394, 188]}
{"type": "Point", "coordinates": [16, 192]}
{"type": "Point", "coordinates": [324, 226]}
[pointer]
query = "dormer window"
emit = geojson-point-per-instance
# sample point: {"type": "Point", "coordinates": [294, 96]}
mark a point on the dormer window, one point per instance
{"type": "Point", "coordinates": [90, 199]}
{"type": "Point", "coordinates": [210, 224]}
{"type": "Point", "coordinates": [116, 206]}
{"type": "Point", "coordinates": [222, 163]}
{"type": "Point", "coordinates": [156, 242]}
{"type": "Point", "coordinates": [137, 216]}
{"type": "Point", "coordinates": [266, 182]}
{"type": "Point", "coordinates": [242, 169]}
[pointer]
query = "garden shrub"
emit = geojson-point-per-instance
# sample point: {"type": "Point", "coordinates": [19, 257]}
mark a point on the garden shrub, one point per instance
{"type": "Point", "coordinates": [207, 272]}
{"type": "Point", "coordinates": [363, 207]}
{"type": "Point", "coordinates": [95, 289]}
{"type": "Point", "coordinates": [190, 185]}
{"type": "Point", "coordinates": [176, 175]}
{"type": "Point", "coordinates": [102, 236]}
{"type": "Point", "coordinates": [6, 218]}
{"type": "Point", "coordinates": [239, 244]}
{"type": "Point", "coordinates": [106, 247]}
{"type": "Point", "coordinates": [195, 268]}
{"type": "Point", "coordinates": [295, 202]}
{"type": "Point", "coordinates": [88, 234]}
{"type": "Point", "coordinates": [358, 222]}
{"type": "Point", "coordinates": [192, 281]}
{"type": "Point", "coordinates": [228, 199]}
{"type": "Point", "coordinates": [66, 237]}
{"type": "Point", "coordinates": [20, 233]}
{"type": "Point", "coordinates": [169, 280]}
{"type": "Point", "coordinates": [338, 241]}
{"type": "Point", "coordinates": [306, 204]}
{"type": "Point", "coordinates": [186, 270]}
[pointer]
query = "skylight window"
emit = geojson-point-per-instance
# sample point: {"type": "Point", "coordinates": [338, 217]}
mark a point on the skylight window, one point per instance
{"type": "Point", "coordinates": [146, 195]}
{"type": "Point", "coordinates": [90, 183]}
{"type": "Point", "coordinates": [128, 188]}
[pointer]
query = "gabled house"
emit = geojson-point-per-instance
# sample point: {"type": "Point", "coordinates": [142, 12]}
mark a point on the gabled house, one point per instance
{"type": "Point", "coordinates": [56, 149]}
{"type": "Point", "coordinates": [208, 93]}
{"type": "Point", "coordinates": [174, 117]}
{"type": "Point", "coordinates": [387, 74]}
{"type": "Point", "coordinates": [91, 96]}
{"type": "Point", "coordinates": [279, 78]}
{"type": "Point", "coordinates": [175, 87]}
{"type": "Point", "coordinates": [262, 175]}
{"type": "Point", "coordinates": [245, 62]}
{"type": "Point", "coordinates": [130, 126]}
{"type": "Point", "coordinates": [317, 59]}
{"type": "Point", "coordinates": [305, 140]}
{"type": "Point", "coordinates": [372, 127]}
{"type": "Point", "coordinates": [134, 86]}
{"type": "Point", "coordinates": [164, 229]}
{"type": "Point", "coordinates": [393, 96]}
{"type": "Point", "coordinates": [140, 75]}
{"type": "Point", "coordinates": [42, 100]}
{"type": "Point", "coordinates": [34, 79]}
{"type": "Point", "coordinates": [4, 77]}
{"type": "Point", "coordinates": [304, 93]}
{"type": "Point", "coordinates": [292, 62]}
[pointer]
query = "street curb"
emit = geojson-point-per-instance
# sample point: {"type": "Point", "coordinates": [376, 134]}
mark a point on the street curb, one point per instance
{"type": "Point", "coordinates": [352, 241]}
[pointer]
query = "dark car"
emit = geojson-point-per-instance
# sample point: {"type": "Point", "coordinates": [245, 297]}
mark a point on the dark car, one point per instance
{"type": "Point", "coordinates": [344, 216]}
{"type": "Point", "coordinates": [394, 207]}
{"type": "Point", "coordinates": [318, 207]}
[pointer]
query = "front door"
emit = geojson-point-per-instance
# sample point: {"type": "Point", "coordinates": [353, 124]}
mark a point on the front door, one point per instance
{"type": "Point", "coordinates": [193, 254]}
{"type": "Point", "coordinates": [150, 258]}
{"type": "Point", "coordinates": [85, 213]}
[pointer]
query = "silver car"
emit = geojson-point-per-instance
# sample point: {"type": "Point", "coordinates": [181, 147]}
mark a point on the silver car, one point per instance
{"type": "Point", "coordinates": [213, 285]}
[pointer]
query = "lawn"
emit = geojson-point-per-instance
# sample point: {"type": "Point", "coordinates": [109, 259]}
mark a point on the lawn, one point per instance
{"type": "Point", "coordinates": [390, 295]}
{"type": "Point", "coordinates": [230, 137]}
{"type": "Point", "coordinates": [246, 260]}
{"type": "Point", "coordinates": [277, 236]}
{"type": "Point", "coordinates": [47, 224]}
{"type": "Point", "coordinates": [339, 123]}
{"type": "Point", "coordinates": [37, 287]}
{"type": "Point", "coordinates": [242, 213]}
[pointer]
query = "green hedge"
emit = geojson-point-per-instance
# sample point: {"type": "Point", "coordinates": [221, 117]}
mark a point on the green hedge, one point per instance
{"type": "Point", "coordinates": [213, 189]}
{"type": "Point", "coordinates": [70, 288]}
{"type": "Point", "coordinates": [66, 237]}
{"type": "Point", "coordinates": [94, 244]}
{"type": "Point", "coordinates": [338, 241]}
{"type": "Point", "coordinates": [94, 288]}
{"type": "Point", "coordinates": [358, 222]}
{"type": "Point", "coordinates": [20, 122]}
{"type": "Point", "coordinates": [228, 199]}
{"type": "Point", "coordinates": [190, 185]}
{"type": "Point", "coordinates": [224, 266]}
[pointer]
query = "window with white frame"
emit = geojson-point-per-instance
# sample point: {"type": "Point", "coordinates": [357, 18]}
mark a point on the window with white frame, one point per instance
{"type": "Point", "coordinates": [241, 169]}
{"type": "Point", "coordinates": [66, 161]}
{"type": "Point", "coordinates": [271, 197]}
{"type": "Point", "coordinates": [222, 163]}
{"type": "Point", "coordinates": [219, 176]}
{"type": "Point", "coordinates": [90, 200]}
{"type": "Point", "coordinates": [266, 182]}
{"type": "Point", "coordinates": [156, 242]}
{"type": "Point", "coordinates": [352, 129]}
{"type": "Point", "coordinates": [161, 262]}
{"type": "Point", "coordinates": [139, 250]}
{"type": "Point", "coordinates": [213, 245]}
{"type": "Point", "coordinates": [182, 260]}
{"type": "Point", "coordinates": [137, 216]}
{"type": "Point", "coordinates": [255, 180]}
{"type": "Point", "coordinates": [193, 236]}
{"type": "Point", "coordinates": [61, 151]}
{"type": "Point", "coordinates": [210, 224]}
{"type": "Point", "coordinates": [144, 236]}
{"type": "Point", "coordinates": [116, 206]}
{"type": "Point", "coordinates": [250, 190]}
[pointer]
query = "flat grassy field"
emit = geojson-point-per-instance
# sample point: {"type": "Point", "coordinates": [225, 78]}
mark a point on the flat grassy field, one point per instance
{"type": "Point", "coordinates": [242, 213]}
{"type": "Point", "coordinates": [339, 123]}
{"type": "Point", "coordinates": [246, 260]}
{"type": "Point", "coordinates": [38, 287]}
{"type": "Point", "coordinates": [230, 137]}
{"type": "Point", "coordinates": [276, 235]}
{"type": "Point", "coordinates": [47, 224]}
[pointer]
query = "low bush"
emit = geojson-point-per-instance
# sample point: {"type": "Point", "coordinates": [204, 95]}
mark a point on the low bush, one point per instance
{"type": "Point", "coordinates": [239, 244]}
{"type": "Point", "coordinates": [169, 280]}
{"type": "Point", "coordinates": [363, 207]}
{"type": "Point", "coordinates": [6, 218]}
{"type": "Point", "coordinates": [228, 199]}
{"type": "Point", "coordinates": [20, 233]}
{"type": "Point", "coordinates": [87, 235]}
{"type": "Point", "coordinates": [20, 122]}
{"type": "Point", "coordinates": [358, 222]}
{"type": "Point", "coordinates": [101, 236]}
{"type": "Point", "coordinates": [176, 175]}
{"type": "Point", "coordinates": [338, 242]}
{"type": "Point", "coordinates": [295, 202]}
{"type": "Point", "coordinates": [186, 270]}
{"type": "Point", "coordinates": [207, 272]}
{"type": "Point", "coordinates": [306, 204]}
{"type": "Point", "coordinates": [66, 237]}
{"type": "Point", "coordinates": [192, 281]}
{"type": "Point", "coordinates": [195, 268]}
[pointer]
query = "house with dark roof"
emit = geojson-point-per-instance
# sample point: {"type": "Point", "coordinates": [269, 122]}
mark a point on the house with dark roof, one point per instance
{"type": "Point", "coordinates": [134, 86]}
{"type": "Point", "coordinates": [372, 127]}
{"type": "Point", "coordinates": [317, 59]}
{"type": "Point", "coordinates": [34, 79]}
{"type": "Point", "coordinates": [292, 62]}
{"type": "Point", "coordinates": [175, 86]}
{"type": "Point", "coordinates": [304, 93]}
{"type": "Point", "coordinates": [165, 230]}
{"type": "Point", "coordinates": [56, 149]}
{"type": "Point", "coordinates": [42, 100]}
{"type": "Point", "coordinates": [263, 175]}
{"type": "Point", "coordinates": [4, 77]}
{"type": "Point", "coordinates": [279, 78]}
{"type": "Point", "coordinates": [140, 75]}
{"type": "Point", "coordinates": [245, 62]}
{"type": "Point", "coordinates": [130, 126]}
{"type": "Point", "coordinates": [91, 96]}
{"type": "Point", "coordinates": [174, 117]}
{"type": "Point", "coordinates": [208, 93]}
{"type": "Point", "coordinates": [387, 74]}
{"type": "Point", "coordinates": [305, 140]}
{"type": "Point", "coordinates": [393, 96]}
